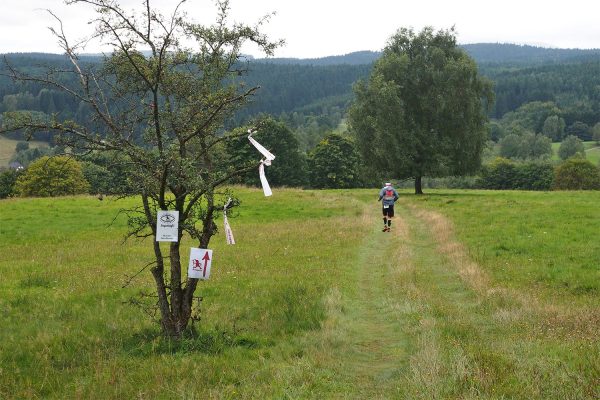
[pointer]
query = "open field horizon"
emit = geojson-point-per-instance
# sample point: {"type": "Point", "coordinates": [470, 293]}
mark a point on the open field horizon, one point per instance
{"type": "Point", "coordinates": [474, 294]}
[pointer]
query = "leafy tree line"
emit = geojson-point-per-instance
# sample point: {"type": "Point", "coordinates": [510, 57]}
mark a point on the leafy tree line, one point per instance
{"type": "Point", "coordinates": [333, 163]}
{"type": "Point", "coordinates": [572, 174]}
{"type": "Point", "coordinates": [528, 132]}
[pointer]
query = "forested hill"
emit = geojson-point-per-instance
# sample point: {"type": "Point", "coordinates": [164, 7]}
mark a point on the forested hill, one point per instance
{"type": "Point", "coordinates": [312, 95]}
{"type": "Point", "coordinates": [356, 58]}
{"type": "Point", "coordinates": [482, 53]}
{"type": "Point", "coordinates": [503, 53]}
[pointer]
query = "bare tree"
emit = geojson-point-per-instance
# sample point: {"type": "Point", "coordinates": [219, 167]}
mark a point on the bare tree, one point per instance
{"type": "Point", "coordinates": [159, 102]}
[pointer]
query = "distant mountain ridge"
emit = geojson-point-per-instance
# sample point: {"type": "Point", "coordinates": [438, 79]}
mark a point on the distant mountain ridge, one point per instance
{"type": "Point", "coordinates": [355, 58]}
{"type": "Point", "coordinates": [482, 53]}
{"type": "Point", "coordinates": [504, 53]}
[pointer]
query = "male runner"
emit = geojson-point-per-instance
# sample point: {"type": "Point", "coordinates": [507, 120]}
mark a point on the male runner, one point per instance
{"type": "Point", "coordinates": [389, 196]}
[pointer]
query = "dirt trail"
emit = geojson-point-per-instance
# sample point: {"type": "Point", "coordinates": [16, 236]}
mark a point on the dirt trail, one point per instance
{"type": "Point", "coordinates": [423, 321]}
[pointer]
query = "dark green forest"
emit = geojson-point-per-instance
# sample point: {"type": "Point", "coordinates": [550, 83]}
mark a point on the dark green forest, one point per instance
{"type": "Point", "coordinates": [312, 95]}
{"type": "Point", "coordinates": [541, 95]}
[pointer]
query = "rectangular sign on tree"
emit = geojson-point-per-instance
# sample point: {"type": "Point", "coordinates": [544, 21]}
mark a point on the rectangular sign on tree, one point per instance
{"type": "Point", "coordinates": [200, 261]}
{"type": "Point", "coordinates": [167, 226]}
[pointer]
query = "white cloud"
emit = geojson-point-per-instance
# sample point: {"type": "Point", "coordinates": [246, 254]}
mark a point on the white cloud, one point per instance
{"type": "Point", "coordinates": [315, 28]}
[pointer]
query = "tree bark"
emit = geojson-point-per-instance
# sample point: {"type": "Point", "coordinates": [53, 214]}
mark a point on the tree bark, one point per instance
{"type": "Point", "coordinates": [418, 187]}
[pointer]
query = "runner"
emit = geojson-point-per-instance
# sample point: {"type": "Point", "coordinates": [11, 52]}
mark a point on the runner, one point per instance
{"type": "Point", "coordinates": [389, 196]}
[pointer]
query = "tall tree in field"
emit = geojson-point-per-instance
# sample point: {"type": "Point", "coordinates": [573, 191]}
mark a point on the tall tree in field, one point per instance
{"type": "Point", "coordinates": [423, 110]}
{"type": "Point", "coordinates": [159, 102]}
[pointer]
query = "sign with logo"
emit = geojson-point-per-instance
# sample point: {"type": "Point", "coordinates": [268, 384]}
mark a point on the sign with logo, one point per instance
{"type": "Point", "coordinates": [200, 260]}
{"type": "Point", "coordinates": [167, 224]}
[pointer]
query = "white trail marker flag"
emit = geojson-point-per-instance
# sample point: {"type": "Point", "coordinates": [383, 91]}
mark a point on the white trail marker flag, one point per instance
{"type": "Point", "coordinates": [228, 231]}
{"type": "Point", "coordinates": [167, 226]}
{"type": "Point", "coordinates": [263, 179]}
{"type": "Point", "coordinates": [200, 262]}
{"type": "Point", "coordinates": [268, 155]}
{"type": "Point", "coordinates": [261, 168]}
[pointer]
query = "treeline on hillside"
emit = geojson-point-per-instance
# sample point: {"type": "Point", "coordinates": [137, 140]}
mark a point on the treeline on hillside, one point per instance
{"type": "Point", "coordinates": [573, 87]}
{"type": "Point", "coordinates": [523, 55]}
{"type": "Point", "coordinates": [482, 53]}
{"type": "Point", "coordinates": [312, 99]}
{"type": "Point", "coordinates": [313, 95]}
{"type": "Point", "coordinates": [567, 77]}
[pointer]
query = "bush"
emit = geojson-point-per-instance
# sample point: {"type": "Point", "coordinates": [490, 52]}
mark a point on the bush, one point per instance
{"type": "Point", "coordinates": [97, 176]}
{"type": "Point", "coordinates": [570, 147]}
{"type": "Point", "coordinates": [576, 174]}
{"type": "Point", "coordinates": [52, 176]}
{"type": "Point", "coordinates": [499, 174]}
{"type": "Point", "coordinates": [580, 130]}
{"type": "Point", "coordinates": [107, 173]}
{"type": "Point", "coordinates": [526, 146]}
{"type": "Point", "coordinates": [535, 175]}
{"type": "Point", "coordinates": [507, 174]}
{"type": "Point", "coordinates": [446, 182]}
{"type": "Point", "coordinates": [8, 178]}
{"type": "Point", "coordinates": [21, 146]}
{"type": "Point", "coordinates": [596, 133]}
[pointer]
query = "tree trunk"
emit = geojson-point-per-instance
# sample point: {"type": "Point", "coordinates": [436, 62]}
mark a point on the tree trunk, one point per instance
{"type": "Point", "coordinates": [418, 187]}
{"type": "Point", "coordinates": [177, 317]}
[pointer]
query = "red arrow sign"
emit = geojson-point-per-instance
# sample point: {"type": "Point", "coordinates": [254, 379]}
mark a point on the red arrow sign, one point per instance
{"type": "Point", "coordinates": [206, 259]}
{"type": "Point", "coordinates": [198, 269]}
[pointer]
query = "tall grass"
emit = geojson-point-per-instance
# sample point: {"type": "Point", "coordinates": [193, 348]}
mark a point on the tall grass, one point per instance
{"type": "Point", "coordinates": [543, 242]}
{"type": "Point", "coordinates": [474, 294]}
{"type": "Point", "coordinates": [68, 329]}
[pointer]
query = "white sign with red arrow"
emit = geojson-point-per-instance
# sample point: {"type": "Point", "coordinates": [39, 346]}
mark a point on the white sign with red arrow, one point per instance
{"type": "Point", "coordinates": [200, 260]}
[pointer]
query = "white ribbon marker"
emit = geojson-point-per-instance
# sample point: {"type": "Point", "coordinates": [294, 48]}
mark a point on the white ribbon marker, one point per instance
{"type": "Point", "coordinates": [263, 178]}
{"type": "Point", "coordinates": [268, 155]}
{"type": "Point", "coordinates": [228, 231]}
{"type": "Point", "coordinates": [261, 168]}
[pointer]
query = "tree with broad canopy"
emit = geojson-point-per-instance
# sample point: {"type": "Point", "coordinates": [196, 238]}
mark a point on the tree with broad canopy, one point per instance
{"type": "Point", "coordinates": [423, 110]}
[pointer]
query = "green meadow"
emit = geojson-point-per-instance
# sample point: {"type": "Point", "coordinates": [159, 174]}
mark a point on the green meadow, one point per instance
{"type": "Point", "coordinates": [472, 295]}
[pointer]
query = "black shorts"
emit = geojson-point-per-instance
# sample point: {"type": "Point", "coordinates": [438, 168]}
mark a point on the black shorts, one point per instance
{"type": "Point", "coordinates": [388, 211]}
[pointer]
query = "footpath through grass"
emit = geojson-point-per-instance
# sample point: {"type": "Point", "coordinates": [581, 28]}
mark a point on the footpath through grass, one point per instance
{"type": "Point", "coordinates": [314, 301]}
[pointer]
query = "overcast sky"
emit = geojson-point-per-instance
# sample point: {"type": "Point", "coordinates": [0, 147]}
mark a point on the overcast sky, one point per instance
{"type": "Point", "coordinates": [317, 28]}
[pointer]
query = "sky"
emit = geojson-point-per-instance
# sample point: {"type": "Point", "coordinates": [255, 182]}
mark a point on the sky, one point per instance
{"type": "Point", "coordinates": [319, 28]}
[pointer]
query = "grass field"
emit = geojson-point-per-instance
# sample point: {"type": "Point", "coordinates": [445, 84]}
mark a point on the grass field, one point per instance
{"type": "Point", "coordinates": [7, 149]}
{"type": "Point", "coordinates": [473, 295]}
